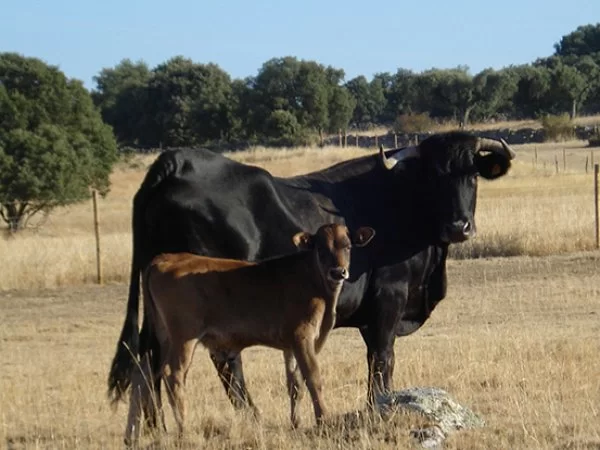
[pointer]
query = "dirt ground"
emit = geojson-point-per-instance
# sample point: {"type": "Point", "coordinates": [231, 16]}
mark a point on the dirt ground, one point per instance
{"type": "Point", "coordinates": [516, 339]}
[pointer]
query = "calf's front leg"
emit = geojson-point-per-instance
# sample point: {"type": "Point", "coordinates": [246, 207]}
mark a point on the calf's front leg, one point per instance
{"type": "Point", "coordinates": [304, 351]}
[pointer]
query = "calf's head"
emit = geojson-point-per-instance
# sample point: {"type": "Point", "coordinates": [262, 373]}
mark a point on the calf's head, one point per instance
{"type": "Point", "coordinates": [331, 245]}
{"type": "Point", "coordinates": [450, 165]}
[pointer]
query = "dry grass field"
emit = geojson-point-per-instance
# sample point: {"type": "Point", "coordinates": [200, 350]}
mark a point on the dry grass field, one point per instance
{"type": "Point", "coordinates": [517, 339]}
{"type": "Point", "coordinates": [532, 211]}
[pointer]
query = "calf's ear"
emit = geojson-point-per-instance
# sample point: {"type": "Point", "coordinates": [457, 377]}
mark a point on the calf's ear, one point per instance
{"type": "Point", "coordinates": [363, 236]}
{"type": "Point", "coordinates": [303, 240]}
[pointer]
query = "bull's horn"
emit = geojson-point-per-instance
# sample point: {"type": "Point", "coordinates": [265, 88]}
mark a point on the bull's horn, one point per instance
{"type": "Point", "coordinates": [492, 145]}
{"type": "Point", "coordinates": [387, 163]}
{"type": "Point", "coordinates": [509, 150]}
{"type": "Point", "coordinates": [402, 154]}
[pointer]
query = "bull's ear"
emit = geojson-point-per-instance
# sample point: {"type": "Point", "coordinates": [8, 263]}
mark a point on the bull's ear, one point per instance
{"type": "Point", "coordinates": [303, 240]}
{"type": "Point", "coordinates": [363, 236]}
{"type": "Point", "coordinates": [491, 165]}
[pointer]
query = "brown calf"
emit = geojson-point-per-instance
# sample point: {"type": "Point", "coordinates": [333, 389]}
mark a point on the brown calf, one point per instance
{"type": "Point", "coordinates": [286, 303]}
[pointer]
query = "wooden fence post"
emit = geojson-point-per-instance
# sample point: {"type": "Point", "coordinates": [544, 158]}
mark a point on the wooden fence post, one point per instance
{"type": "Point", "coordinates": [395, 140]}
{"type": "Point", "coordinates": [587, 160]}
{"type": "Point", "coordinates": [97, 233]}
{"type": "Point", "coordinates": [564, 160]}
{"type": "Point", "coordinates": [536, 157]}
{"type": "Point", "coordinates": [357, 139]}
{"type": "Point", "coordinates": [596, 206]}
{"type": "Point", "coordinates": [556, 162]}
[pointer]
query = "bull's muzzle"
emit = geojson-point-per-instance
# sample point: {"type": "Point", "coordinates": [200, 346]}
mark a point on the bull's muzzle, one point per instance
{"type": "Point", "coordinates": [459, 231]}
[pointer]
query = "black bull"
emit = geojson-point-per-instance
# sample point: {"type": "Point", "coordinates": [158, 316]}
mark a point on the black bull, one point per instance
{"type": "Point", "coordinates": [418, 199]}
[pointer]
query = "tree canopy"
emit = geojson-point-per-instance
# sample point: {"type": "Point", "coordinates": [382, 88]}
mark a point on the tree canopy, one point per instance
{"type": "Point", "coordinates": [290, 101]}
{"type": "Point", "coordinates": [54, 146]}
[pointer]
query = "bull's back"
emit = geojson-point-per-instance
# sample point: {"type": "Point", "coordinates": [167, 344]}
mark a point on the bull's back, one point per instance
{"type": "Point", "coordinates": [211, 205]}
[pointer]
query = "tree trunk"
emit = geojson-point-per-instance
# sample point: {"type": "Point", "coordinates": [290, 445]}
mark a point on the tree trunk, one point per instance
{"type": "Point", "coordinates": [465, 117]}
{"type": "Point", "coordinates": [14, 216]}
{"type": "Point", "coordinates": [573, 109]}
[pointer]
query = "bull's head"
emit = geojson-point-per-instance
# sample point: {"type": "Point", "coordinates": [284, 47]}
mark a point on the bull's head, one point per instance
{"type": "Point", "coordinates": [452, 163]}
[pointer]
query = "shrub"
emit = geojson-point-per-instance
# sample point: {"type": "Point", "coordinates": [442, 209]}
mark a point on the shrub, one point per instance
{"type": "Point", "coordinates": [557, 128]}
{"type": "Point", "coordinates": [413, 123]}
{"type": "Point", "coordinates": [284, 130]}
{"type": "Point", "coordinates": [594, 139]}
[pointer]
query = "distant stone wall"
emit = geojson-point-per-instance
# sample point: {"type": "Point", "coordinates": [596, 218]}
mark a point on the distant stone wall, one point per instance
{"type": "Point", "coordinates": [521, 136]}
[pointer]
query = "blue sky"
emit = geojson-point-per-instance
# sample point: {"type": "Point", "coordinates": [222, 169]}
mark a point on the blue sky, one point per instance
{"type": "Point", "coordinates": [363, 38]}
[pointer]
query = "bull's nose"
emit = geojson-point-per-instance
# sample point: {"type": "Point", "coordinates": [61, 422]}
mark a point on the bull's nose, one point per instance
{"type": "Point", "coordinates": [338, 274]}
{"type": "Point", "coordinates": [459, 231]}
{"type": "Point", "coordinates": [467, 228]}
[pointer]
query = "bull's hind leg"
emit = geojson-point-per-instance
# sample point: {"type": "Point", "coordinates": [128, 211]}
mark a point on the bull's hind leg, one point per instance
{"type": "Point", "coordinates": [177, 365]}
{"type": "Point", "coordinates": [295, 386]}
{"type": "Point", "coordinates": [304, 351]}
{"type": "Point", "coordinates": [231, 375]}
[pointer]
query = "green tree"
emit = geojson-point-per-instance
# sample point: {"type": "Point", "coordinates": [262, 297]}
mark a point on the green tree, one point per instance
{"type": "Point", "coordinates": [188, 103]}
{"type": "Point", "coordinates": [54, 146]}
{"type": "Point", "coordinates": [242, 113]}
{"type": "Point", "coordinates": [369, 99]}
{"type": "Point", "coordinates": [314, 92]}
{"type": "Point", "coordinates": [493, 92]}
{"type": "Point", "coordinates": [122, 95]}
{"type": "Point", "coordinates": [449, 93]}
{"type": "Point", "coordinates": [404, 94]}
{"type": "Point", "coordinates": [532, 96]}
{"type": "Point", "coordinates": [570, 86]}
{"type": "Point", "coordinates": [308, 90]}
{"type": "Point", "coordinates": [341, 107]}
{"type": "Point", "coordinates": [572, 78]}
{"type": "Point", "coordinates": [585, 40]}
{"type": "Point", "coordinates": [283, 129]}
{"type": "Point", "coordinates": [388, 113]}
{"type": "Point", "coordinates": [213, 109]}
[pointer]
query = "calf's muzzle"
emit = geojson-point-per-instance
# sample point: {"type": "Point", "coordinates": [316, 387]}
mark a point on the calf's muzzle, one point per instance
{"type": "Point", "coordinates": [338, 274]}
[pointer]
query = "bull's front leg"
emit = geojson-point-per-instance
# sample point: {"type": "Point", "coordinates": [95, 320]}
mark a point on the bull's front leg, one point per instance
{"type": "Point", "coordinates": [380, 360]}
{"type": "Point", "coordinates": [231, 375]}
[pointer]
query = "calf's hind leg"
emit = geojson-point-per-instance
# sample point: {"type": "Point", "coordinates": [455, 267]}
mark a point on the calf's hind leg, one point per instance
{"type": "Point", "coordinates": [295, 386]}
{"type": "Point", "coordinates": [177, 365]}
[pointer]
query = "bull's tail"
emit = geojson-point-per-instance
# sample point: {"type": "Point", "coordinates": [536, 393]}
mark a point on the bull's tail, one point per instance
{"type": "Point", "coordinates": [128, 347]}
{"type": "Point", "coordinates": [126, 356]}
